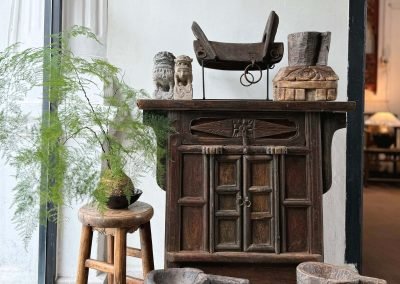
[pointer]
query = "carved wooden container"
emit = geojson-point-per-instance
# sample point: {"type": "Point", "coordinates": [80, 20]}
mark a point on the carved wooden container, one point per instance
{"type": "Point", "coordinates": [324, 273]}
{"type": "Point", "coordinates": [305, 83]}
{"type": "Point", "coordinates": [244, 184]}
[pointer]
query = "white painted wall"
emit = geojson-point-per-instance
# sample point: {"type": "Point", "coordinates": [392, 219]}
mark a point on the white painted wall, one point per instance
{"type": "Point", "coordinates": [91, 14]}
{"type": "Point", "coordinates": [21, 21]}
{"type": "Point", "coordinates": [139, 29]}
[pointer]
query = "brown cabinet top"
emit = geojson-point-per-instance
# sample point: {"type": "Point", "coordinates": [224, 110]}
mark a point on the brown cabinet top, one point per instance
{"type": "Point", "coordinates": [245, 105]}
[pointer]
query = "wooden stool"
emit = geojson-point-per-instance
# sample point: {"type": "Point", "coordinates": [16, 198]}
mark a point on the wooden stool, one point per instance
{"type": "Point", "coordinates": [115, 224]}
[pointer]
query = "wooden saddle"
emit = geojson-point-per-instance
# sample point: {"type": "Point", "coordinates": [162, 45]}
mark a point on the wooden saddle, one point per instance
{"type": "Point", "coordinates": [238, 56]}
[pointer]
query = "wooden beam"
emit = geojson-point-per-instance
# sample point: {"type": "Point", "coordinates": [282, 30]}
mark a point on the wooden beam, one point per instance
{"type": "Point", "coordinates": [133, 280]}
{"type": "Point", "coordinates": [99, 265]}
{"type": "Point", "coordinates": [244, 105]}
{"type": "Point", "coordinates": [133, 252]}
{"type": "Point", "coordinates": [242, 257]}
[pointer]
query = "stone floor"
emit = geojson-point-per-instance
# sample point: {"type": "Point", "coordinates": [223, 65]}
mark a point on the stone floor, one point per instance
{"type": "Point", "coordinates": [381, 233]}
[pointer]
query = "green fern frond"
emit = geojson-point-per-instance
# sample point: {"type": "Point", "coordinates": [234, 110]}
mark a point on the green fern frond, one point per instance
{"type": "Point", "coordinates": [58, 160]}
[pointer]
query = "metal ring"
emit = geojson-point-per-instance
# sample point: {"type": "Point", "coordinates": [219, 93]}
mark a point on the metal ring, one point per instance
{"type": "Point", "coordinates": [241, 80]}
{"type": "Point", "coordinates": [247, 202]}
{"type": "Point", "coordinates": [271, 66]}
{"type": "Point", "coordinates": [246, 71]}
{"type": "Point", "coordinates": [239, 201]}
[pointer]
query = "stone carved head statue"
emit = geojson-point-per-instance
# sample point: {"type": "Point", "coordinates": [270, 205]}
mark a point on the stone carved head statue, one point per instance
{"type": "Point", "coordinates": [183, 78]}
{"type": "Point", "coordinates": [163, 75]}
{"type": "Point", "coordinates": [183, 70]}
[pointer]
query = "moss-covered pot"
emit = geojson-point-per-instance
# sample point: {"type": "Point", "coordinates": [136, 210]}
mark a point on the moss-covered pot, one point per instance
{"type": "Point", "coordinates": [119, 189]}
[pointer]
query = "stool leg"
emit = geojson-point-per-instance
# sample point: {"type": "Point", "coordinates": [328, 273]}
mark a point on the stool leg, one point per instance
{"type": "Point", "coordinates": [110, 257]}
{"type": "Point", "coordinates": [120, 256]}
{"type": "Point", "coordinates": [84, 253]}
{"type": "Point", "coordinates": [147, 249]}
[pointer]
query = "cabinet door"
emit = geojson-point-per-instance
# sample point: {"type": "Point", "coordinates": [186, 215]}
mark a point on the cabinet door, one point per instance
{"type": "Point", "coordinates": [192, 203]}
{"type": "Point", "coordinates": [225, 209]}
{"type": "Point", "coordinates": [296, 205]}
{"type": "Point", "coordinates": [260, 184]}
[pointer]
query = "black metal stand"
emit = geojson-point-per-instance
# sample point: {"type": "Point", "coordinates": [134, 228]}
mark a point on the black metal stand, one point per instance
{"type": "Point", "coordinates": [203, 81]}
{"type": "Point", "coordinates": [202, 75]}
{"type": "Point", "coordinates": [268, 84]}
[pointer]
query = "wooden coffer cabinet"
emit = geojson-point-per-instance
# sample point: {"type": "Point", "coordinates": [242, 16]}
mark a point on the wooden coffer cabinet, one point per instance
{"type": "Point", "coordinates": [244, 184]}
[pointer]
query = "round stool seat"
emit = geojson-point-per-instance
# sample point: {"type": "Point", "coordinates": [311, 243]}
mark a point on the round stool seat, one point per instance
{"type": "Point", "coordinates": [135, 215]}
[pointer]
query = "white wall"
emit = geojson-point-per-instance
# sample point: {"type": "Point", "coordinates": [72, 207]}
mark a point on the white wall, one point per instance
{"type": "Point", "coordinates": [91, 14]}
{"type": "Point", "coordinates": [21, 21]}
{"type": "Point", "coordinates": [139, 29]}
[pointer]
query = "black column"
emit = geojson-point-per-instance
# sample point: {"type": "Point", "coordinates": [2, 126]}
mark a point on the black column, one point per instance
{"type": "Point", "coordinates": [48, 232]}
{"type": "Point", "coordinates": [355, 125]}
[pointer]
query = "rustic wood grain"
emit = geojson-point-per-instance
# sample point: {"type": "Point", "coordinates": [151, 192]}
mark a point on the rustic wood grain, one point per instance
{"type": "Point", "coordinates": [315, 184]}
{"type": "Point", "coordinates": [245, 105]}
{"type": "Point", "coordinates": [227, 178]}
{"type": "Point", "coordinates": [259, 190]}
{"type": "Point", "coordinates": [236, 56]}
{"type": "Point", "coordinates": [330, 123]}
{"type": "Point", "coordinates": [271, 274]}
{"type": "Point", "coordinates": [116, 224]}
{"type": "Point", "coordinates": [84, 253]}
{"type": "Point", "coordinates": [110, 257]}
{"type": "Point", "coordinates": [138, 213]}
{"type": "Point", "coordinates": [308, 83]}
{"type": "Point", "coordinates": [308, 48]}
{"type": "Point", "coordinates": [241, 257]}
{"type": "Point", "coordinates": [133, 252]}
{"type": "Point", "coordinates": [99, 265]}
{"type": "Point", "coordinates": [146, 249]}
{"type": "Point", "coordinates": [120, 256]}
{"type": "Point", "coordinates": [239, 197]}
{"type": "Point", "coordinates": [133, 280]}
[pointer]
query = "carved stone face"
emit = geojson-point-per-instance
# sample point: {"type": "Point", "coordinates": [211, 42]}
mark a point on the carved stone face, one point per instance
{"type": "Point", "coordinates": [164, 59]}
{"type": "Point", "coordinates": [163, 75]}
{"type": "Point", "coordinates": [182, 73]}
{"type": "Point", "coordinates": [183, 69]}
{"type": "Point", "coordinates": [183, 61]}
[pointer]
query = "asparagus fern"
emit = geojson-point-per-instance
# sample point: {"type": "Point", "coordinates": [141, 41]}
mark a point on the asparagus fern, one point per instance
{"type": "Point", "coordinates": [75, 134]}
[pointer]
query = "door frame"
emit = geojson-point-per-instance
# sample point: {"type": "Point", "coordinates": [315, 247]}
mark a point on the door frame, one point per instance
{"type": "Point", "coordinates": [355, 133]}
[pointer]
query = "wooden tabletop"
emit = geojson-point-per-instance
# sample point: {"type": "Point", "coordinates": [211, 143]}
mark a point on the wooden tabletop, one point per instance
{"type": "Point", "coordinates": [246, 105]}
{"type": "Point", "coordinates": [136, 214]}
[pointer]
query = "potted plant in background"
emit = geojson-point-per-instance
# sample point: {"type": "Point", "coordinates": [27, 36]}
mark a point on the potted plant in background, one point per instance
{"type": "Point", "coordinates": [92, 117]}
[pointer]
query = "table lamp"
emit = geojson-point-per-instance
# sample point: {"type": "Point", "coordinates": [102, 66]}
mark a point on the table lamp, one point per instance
{"type": "Point", "coordinates": [381, 126]}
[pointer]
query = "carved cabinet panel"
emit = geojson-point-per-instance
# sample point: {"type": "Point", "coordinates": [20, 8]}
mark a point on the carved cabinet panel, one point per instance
{"type": "Point", "coordinates": [261, 202]}
{"type": "Point", "coordinates": [192, 203]}
{"type": "Point", "coordinates": [245, 183]}
{"type": "Point", "coordinates": [243, 203]}
{"type": "Point", "coordinates": [225, 210]}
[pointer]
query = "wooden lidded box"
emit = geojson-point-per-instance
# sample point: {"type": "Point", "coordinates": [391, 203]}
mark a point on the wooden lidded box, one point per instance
{"type": "Point", "coordinates": [305, 83]}
{"type": "Point", "coordinates": [244, 184]}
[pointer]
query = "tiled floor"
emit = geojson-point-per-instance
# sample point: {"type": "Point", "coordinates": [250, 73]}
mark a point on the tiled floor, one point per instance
{"type": "Point", "coordinates": [381, 233]}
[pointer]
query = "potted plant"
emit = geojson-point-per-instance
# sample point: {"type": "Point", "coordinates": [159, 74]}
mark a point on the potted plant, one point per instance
{"type": "Point", "coordinates": [91, 117]}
